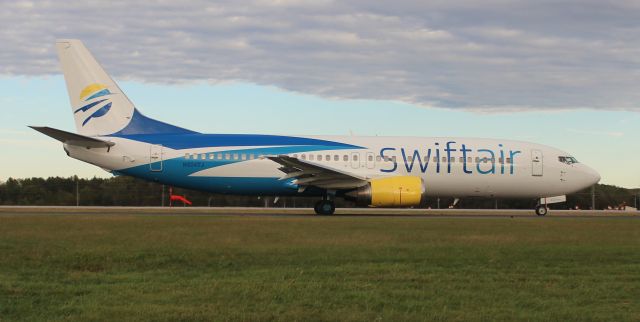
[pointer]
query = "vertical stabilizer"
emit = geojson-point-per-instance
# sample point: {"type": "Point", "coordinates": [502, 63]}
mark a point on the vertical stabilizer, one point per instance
{"type": "Point", "coordinates": [98, 105]}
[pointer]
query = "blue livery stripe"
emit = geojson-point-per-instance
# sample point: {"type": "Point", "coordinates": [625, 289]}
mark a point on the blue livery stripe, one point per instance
{"type": "Point", "coordinates": [98, 94]}
{"type": "Point", "coordinates": [141, 124]}
{"type": "Point", "coordinates": [179, 172]}
{"type": "Point", "coordinates": [192, 141]}
{"type": "Point", "coordinates": [175, 165]}
{"type": "Point", "coordinates": [88, 106]}
{"type": "Point", "coordinates": [100, 112]}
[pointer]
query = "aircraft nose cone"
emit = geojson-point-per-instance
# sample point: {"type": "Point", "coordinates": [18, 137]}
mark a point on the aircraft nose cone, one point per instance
{"type": "Point", "coordinates": [593, 175]}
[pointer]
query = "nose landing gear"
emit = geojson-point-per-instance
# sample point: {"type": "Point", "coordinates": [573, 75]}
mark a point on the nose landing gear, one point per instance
{"type": "Point", "coordinates": [542, 210]}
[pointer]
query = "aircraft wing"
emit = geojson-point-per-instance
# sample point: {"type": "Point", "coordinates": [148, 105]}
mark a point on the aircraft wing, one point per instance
{"type": "Point", "coordinates": [73, 138]}
{"type": "Point", "coordinates": [313, 174]}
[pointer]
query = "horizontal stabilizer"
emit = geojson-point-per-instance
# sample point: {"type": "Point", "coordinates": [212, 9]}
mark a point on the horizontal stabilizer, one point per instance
{"type": "Point", "coordinates": [73, 138]}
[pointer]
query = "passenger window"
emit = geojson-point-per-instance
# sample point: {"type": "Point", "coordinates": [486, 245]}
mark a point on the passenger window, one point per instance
{"type": "Point", "coordinates": [444, 159]}
{"type": "Point", "coordinates": [336, 158]}
{"type": "Point", "coordinates": [435, 159]}
{"type": "Point", "coordinates": [227, 156]}
{"type": "Point", "coordinates": [187, 155]}
{"type": "Point", "coordinates": [345, 158]}
{"type": "Point", "coordinates": [469, 159]}
{"type": "Point", "coordinates": [461, 159]}
{"type": "Point", "coordinates": [203, 156]}
{"type": "Point", "coordinates": [320, 157]}
{"type": "Point", "coordinates": [243, 156]}
{"type": "Point", "coordinates": [355, 157]}
{"type": "Point", "coordinates": [304, 157]}
{"type": "Point", "coordinates": [409, 158]}
{"type": "Point", "coordinates": [508, 160]}
{"type": "Point", "coordinates": [327, 157]}
{"type": "Point", "coordinates": [393, 158]}
{"type": "Point", "coordinates": [310, 157]}
{"type": "Point", "coordinates": [452, 160]}
{"type": "Point", "coordinates": [370, 158]}
{"type": "Point", "coordinates": [477, 159]}
{"type": "Point", "coordinates": [211, 156]}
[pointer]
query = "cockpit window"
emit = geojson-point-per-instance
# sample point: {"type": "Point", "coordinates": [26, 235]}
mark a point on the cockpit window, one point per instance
{"type": "Point", "coordinates": [567, 160]}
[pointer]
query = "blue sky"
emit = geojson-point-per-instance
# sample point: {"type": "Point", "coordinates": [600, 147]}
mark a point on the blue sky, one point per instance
{"type": "Point", "coordinates": [563, 73]}
{"type": "Point", "coordinates": [605, 140]}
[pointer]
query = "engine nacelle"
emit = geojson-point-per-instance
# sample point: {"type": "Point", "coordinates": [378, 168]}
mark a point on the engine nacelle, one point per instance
{"type": "Point", "coordinates": [399, 191]}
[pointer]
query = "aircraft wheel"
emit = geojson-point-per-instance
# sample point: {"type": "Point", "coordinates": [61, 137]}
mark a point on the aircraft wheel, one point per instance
{"type": "Point", "coordinates": [316, 207]}
{"type": "Point", "coordinates": [542, 210]}
{"type": "Point", "coordinates": [325, 207]}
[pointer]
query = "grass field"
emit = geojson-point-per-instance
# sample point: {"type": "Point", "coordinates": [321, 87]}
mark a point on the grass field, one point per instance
{"type": "Point", "coordinates": [128, 267]}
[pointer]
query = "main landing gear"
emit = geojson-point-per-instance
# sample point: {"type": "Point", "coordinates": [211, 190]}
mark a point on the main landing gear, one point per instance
{"type": "Point", "coordinates": [542, 210]}
{"type": "Point", "coordinates": [325, 207]}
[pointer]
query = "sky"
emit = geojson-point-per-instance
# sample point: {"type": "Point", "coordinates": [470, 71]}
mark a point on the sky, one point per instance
{"type": "Point", "coordinates": [561, 73]}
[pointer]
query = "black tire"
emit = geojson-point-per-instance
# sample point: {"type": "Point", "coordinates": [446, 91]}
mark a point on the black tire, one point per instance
{"type": "Point", "coordinates": [325, 207]}
{"type": "Point", "coordinates": [316, 207]}
{"type": "Point", "coordinates": [542, 210]}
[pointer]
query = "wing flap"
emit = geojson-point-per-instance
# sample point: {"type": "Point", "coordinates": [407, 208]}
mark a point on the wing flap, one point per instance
{"type": "Point", "coordinates": [307, 173]}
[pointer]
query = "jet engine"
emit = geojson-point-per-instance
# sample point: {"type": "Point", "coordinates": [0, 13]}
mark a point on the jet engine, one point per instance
{"type": "Point", "coordinates": [399, 191]}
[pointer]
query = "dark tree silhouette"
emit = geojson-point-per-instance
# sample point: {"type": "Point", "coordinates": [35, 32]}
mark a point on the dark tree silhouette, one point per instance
{"type": "Point", "coordinates": [127, 191]}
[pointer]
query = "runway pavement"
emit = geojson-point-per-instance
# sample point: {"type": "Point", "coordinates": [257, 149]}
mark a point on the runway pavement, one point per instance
{"type": "Point", "coordinates": [246, 211]}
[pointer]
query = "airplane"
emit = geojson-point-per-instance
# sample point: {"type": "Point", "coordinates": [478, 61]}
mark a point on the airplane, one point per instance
{"type": "Point", "coordinates": [372, 171]}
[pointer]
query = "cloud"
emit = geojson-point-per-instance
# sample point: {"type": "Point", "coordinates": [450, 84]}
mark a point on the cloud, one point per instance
{"type": "Point", "coordinates": [492, 55]}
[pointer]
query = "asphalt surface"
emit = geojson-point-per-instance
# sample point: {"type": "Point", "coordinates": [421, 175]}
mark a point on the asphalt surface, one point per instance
{"type": "Point", "coordinates": [275, 212]}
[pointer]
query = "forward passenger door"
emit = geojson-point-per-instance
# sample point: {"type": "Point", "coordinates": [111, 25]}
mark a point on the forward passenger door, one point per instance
{"type": "Point", "coordinates": [536, 163]}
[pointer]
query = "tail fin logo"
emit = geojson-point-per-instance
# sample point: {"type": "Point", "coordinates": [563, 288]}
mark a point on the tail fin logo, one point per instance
{"type": "Point", "coordinates": [95, 95]}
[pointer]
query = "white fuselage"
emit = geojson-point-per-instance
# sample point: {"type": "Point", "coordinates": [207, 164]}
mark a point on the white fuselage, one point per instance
{"type": "Point", "coordinates": [456, 167]}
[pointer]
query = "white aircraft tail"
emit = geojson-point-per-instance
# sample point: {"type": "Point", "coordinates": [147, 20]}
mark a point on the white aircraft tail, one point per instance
{"type": "Point", "coordinates": [99, 106]}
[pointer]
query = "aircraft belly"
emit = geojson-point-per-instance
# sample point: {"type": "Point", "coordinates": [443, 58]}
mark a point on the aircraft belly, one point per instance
{"type": "Point", "coordinates": [491, 186]}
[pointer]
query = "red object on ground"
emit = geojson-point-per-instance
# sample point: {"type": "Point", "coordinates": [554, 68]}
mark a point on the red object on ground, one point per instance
{"type": "Point", "coordinates": [173, 198]}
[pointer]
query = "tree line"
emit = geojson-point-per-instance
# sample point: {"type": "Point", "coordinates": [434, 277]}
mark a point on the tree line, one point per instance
{"type": "Point", "coordinates": [128, 191]}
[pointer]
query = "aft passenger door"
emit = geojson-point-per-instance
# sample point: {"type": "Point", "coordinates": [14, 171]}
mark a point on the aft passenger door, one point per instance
{"type": "Point", "coordinates": [155, 158]}
{"type": "Point", "coordinates": [536, 163]}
